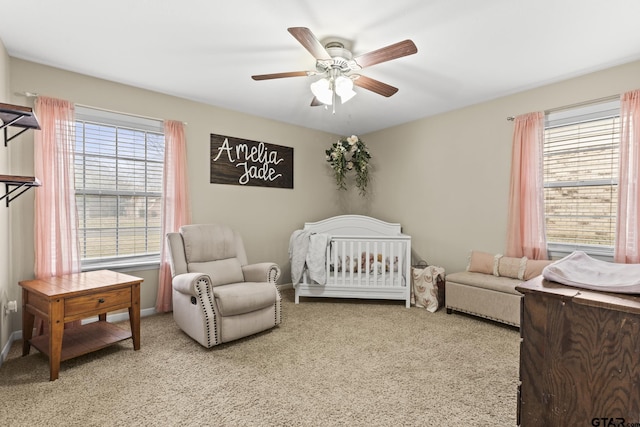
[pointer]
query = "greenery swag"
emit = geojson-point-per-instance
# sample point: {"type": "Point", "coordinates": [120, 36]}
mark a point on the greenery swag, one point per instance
{"type": "Point", "coordinates": [347, 154]}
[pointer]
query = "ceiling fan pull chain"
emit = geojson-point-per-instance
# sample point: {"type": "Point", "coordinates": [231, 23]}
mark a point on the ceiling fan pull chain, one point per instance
{"type": "Point", "coordinates": [333, 104]}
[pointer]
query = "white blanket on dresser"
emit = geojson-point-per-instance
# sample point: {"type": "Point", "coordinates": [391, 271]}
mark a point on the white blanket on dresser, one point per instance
{"type": "Point", "coordinates": [582, 271]}
{"type": "Point", "coordinates": [308, 250]}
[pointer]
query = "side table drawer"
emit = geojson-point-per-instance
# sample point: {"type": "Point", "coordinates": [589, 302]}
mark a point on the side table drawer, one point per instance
{"type": "Point", "coordinates": [97, 303]}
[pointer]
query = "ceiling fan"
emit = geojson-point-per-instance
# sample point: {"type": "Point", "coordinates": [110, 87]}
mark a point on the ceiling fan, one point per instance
{"type": "Point", "coordinates": [338, 67]}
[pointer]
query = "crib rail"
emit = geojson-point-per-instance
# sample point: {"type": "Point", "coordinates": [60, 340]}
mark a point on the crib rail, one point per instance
{"type": "Point", "coordinates": [367, 261]}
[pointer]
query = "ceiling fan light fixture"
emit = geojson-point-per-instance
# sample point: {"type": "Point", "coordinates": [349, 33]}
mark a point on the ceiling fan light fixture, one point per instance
{"type": "Point", "coordinates": [347, 96]}
{"type": "Point", "coordinates": [321, 89]}
{"type": "Point", "coordinates": [344, 88]}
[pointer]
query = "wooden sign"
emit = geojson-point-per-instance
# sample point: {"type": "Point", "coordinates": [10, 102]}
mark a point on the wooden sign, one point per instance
{"type": "Point", "coordinates": [242, 162]}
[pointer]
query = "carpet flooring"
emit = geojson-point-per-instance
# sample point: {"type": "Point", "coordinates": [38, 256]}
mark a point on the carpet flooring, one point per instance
{"type": "Point", "coordinates": [330, 363]}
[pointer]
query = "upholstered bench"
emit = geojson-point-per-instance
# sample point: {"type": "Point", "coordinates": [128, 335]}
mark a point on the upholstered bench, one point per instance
{"type": "Point", "coordinates": [488, 287]}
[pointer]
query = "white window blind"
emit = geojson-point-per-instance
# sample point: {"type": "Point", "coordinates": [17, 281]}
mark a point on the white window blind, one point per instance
{"type": "Point", "coordinates": [118, 173]}
{"type": "Point", "coordinates": [581, 150]}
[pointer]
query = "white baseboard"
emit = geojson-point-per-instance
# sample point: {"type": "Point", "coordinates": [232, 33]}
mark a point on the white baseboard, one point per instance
{"type": "Point", "coordinates": [116, 317]}
{"type": "Point", "coordinates": [15, 336]}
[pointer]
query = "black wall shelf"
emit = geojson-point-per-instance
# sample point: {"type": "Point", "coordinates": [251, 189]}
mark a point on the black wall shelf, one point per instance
{"type": "Point", "coordinates": [24, 118]}
{"type": "Point", "coordinates": [16, 185]}
{"type": "Point", "coordinates": [17, 116]}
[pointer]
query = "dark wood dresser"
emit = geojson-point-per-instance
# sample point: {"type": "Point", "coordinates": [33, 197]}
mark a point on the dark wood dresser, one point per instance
{"type": "Point", "coordinates": [579, 357]}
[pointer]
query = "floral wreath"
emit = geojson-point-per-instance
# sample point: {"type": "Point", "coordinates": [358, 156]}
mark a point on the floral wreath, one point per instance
{"type": "Point", "coordinates": [349, 154]}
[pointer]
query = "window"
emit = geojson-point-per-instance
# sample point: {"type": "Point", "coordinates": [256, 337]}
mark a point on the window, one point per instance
{"type": "Point", "coordinates": [581, 149]}
{"type": "Point", "coordinates": [118, 173]}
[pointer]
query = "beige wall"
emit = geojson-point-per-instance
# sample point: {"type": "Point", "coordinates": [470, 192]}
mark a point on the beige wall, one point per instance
{"type": "Point", "coordinates": [6, 290]}
{"type": "Point", "coordinates": [266, 217]}
{"type": "Point", "coordinates": [446, 178]}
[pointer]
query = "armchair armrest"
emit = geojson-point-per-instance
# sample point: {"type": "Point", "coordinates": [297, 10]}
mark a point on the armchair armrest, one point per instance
{"type": "Point", "coordinates": [188, 283]}
{"type": "Point", "coordinates": [261, 272]}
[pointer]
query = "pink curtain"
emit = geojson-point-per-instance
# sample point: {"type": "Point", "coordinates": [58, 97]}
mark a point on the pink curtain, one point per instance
{"type": "Point", "coordinates": [175, 203]}
{"type": "Point", "coordinates": [526, 226]}
{"type": "Point", "coordinates": [56, 242]}
{"type": "Point", "coordinates": [627, 246]}
{"type": "Point", "coordinates": [56, 239]}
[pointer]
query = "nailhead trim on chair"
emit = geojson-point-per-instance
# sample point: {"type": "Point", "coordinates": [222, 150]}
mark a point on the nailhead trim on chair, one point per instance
{"type": "Point", "coordinates": [200, 284]}
{"type": "Point", "coordinates": [277, 308]}
{"type": "Point", "coordinates": [273, 274]}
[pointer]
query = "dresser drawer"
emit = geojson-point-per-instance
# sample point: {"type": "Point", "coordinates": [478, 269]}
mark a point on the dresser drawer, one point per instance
{"type": "Point", "coordinates": [96, 303]}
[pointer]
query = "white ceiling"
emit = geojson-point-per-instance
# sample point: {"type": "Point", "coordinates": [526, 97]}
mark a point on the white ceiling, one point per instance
{"type": "Point", "coordinates": [469, 51]}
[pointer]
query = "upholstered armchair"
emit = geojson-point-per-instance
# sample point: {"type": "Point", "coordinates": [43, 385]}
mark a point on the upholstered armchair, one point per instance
{"type": "Point", "coordinates": [217, 295]}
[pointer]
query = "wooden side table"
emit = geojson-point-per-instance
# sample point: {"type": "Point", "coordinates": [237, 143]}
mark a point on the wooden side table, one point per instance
{"type": "Point", "coordinates": [62, 299]}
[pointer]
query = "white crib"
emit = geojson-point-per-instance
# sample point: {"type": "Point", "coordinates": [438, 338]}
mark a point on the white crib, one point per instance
{"type": "Point", "coordinates": [366, 258]}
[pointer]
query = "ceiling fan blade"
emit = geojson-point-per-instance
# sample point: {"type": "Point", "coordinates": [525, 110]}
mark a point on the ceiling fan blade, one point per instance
{"type": "Point", "coordinates": [315, 102]}
{"type": "Point", "coordinates": [309, 41]}
{"type": "Point", "coordinates": [281, 75]}
{"type": "Point", "coordinates": [394, 51]}
{"type": "Point", "coordinates": [375, 86]}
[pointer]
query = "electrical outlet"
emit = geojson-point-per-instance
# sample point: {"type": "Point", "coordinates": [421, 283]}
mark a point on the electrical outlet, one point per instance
{"type": "Point", "coordinates": [11, 306]}
{"type": "Point", "coordinates": [4, 318]}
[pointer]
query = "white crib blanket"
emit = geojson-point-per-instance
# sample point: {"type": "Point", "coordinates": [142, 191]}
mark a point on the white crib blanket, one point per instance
{"type": "Point", "coordinates": [580, 270]}
{"type": "Point", "coordinates": [307, 251]}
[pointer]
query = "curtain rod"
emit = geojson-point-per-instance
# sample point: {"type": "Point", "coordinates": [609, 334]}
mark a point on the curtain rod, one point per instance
{"type": "Point", "coordinates": [126, 114]}
{"type": "Point", "coordinates": [577, 104]}
{"type": "Point", "coordinates": [35, 95]}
